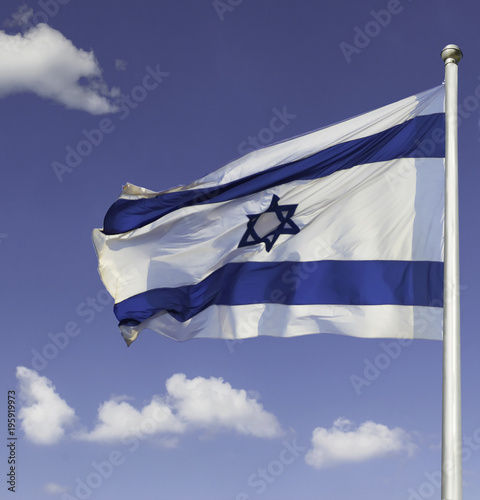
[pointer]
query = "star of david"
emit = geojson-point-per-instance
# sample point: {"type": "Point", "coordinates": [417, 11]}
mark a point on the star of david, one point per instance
{"type": "Point", "coordinates": [267, 226]}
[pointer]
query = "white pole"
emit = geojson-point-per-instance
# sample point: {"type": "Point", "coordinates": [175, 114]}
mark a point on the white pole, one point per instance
{"type": "Point", "coordinates": [451, 422]}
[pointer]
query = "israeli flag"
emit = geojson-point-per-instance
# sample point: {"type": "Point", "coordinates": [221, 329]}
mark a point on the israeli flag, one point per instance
{"type": "Point", "coordinates": [336, 231]}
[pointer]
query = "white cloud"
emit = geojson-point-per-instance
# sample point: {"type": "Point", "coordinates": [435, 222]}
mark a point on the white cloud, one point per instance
{"type": "Point", "coordinates": [42, 61]}
{"type": "Point", "coordinates": [213, 403]}
{"type": "Point", "coordinates": [168, 442]}
{"type": "Point", "coordinates": [21, 17]}
{"type": "Point", "coordinates": [120, 420]}
{"type": "Point", "coordinates": [343, 443]}
{"type": "Point", "coordinates": [120, 65]}
{"type": "Point", "coordinates": [55, 489]}
{"type": "Point", "coordinates": [197, 403]}
{"type": "Point", "coordinates": [44, 414]}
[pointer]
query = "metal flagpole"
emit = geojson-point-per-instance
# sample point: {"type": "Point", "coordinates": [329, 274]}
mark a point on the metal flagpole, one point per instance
{"type": "Point", "coordinates": [451, 415]}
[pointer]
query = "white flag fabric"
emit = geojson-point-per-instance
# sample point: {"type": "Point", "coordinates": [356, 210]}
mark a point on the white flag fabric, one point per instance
{"type": "Point", "coordinates": [336, 231]}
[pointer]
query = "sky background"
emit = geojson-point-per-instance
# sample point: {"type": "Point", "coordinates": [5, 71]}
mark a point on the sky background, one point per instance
{"type": "Point", "coordinates": [213, 419]}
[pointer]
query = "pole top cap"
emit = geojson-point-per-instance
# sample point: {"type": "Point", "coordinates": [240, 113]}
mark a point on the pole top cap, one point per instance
{"type": "Point", "coordinates": [452, 53]}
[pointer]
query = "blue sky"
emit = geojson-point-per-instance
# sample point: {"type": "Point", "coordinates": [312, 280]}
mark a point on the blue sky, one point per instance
{"type": "Point", "coordinates": [201, 82]}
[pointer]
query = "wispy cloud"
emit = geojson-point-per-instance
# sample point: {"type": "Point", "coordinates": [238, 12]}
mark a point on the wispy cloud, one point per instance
{"type": "Point", "coordinates": [120, 65]}
{"type": "Point", "coordinates": [189, 404]}
{"type": "Point", "coordinates": [344, 443]}
{"type": "Point", "coordinates": [43, 62]}
{"type": "Point", "coordinates": [21, 17]}
{"type": "Point", "coordinates": [44, 414]}
{"type": "Point", "coordinates": [55, 489]}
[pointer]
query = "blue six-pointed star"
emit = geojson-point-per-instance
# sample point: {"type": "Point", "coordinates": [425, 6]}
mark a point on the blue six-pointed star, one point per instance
{"type": "Point", "coordinates": [267, 226]}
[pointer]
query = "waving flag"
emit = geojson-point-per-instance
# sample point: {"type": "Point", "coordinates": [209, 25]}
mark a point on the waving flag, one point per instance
{"type": "Point", "coordinates": [336, 231]}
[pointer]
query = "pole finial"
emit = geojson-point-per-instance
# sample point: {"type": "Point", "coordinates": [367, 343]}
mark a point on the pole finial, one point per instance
{"type": "Point", "coordinates": [451, 53]}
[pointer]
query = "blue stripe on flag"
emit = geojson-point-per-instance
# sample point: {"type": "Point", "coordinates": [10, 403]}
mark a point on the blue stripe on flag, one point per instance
{"type": "Point", "coordinates": [408, 283]}
{"type": "Point", "coordinates": [407, 140]}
